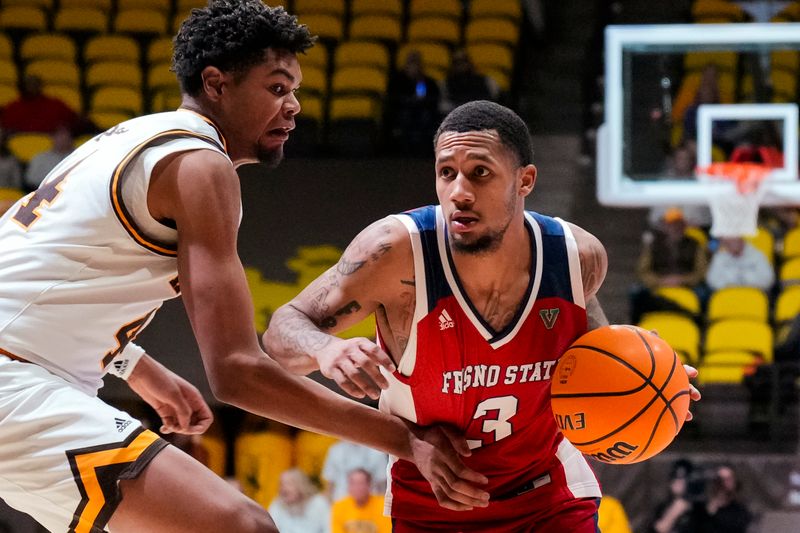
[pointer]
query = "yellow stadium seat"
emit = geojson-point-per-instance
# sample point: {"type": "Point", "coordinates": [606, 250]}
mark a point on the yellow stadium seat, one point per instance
{"type": "Point", "coordinates": [435, 8]}
{"type": "Point", "coordinates": [327, 27]}
{"type": "Point", "coordinates": [377, 27]}
{"type": "Point", "coordinates": [319, 7]}
{"type": "Point", "coordinates": [312, 108]}
{"type": "Point", "coordinates": [435, 56]}
{"type": "Point", "coordinates": [215, 447]}
{"type": "Point", "coordinates": [160, 77]}
{"type": "Point", "coordinates": [108, 119]}
{"type": "Point", "coordinates": [787, 305]}
{"type": "Point", "coordinates": [55, 72]}
{"type": "Point", "coordinates": [23, 17]}
{"type": "Point", "coordinates": [789, 273]}
{"type": "Point", "coordinates": [435, 29]}
{"type": "Point", "coordinates": [117, 99]}
{"type": "Point", "coordinates": [104, 5]}
{"type": "Point", "coordinates": [724, 61]}
{"type": "Point", "coordinates": [185, 5]}
{"type": "Point", "coordinates": [716, 11]}
{"type": "Point", "coordinates": [141, 21]}
{"type": "Point", "coordinates": [738, 302]}
{"type": "Point", "coordinates": [697, 234]}
{"type": "Point", "coordinates": [495, 30]}
{"type": "Point", "coordinates": [160, 51]}
{"type": "Point", "coordinates": [6, 48]}
{"type": "Point", "coordinates": [784, 86]}
{"type": "Point", "coordinates": [165, 100]}
{"type": "Point", "coordinates": [8, 72]}
{"type": "Point", "coordinates": [361, 54]}
{"type": "Point", "coordinates": [511, 9]}
{"type": "Point", "coordinates": [25, 146]}
{"type": "Point", "coordinates": [354, 107]}
{"type": "Point", "coordinates": [81, 19]}
{"type": "Point", "coordinates": [111, 48]}
{"type": "Point", "coordinates": [316, 56]}
{"type": "Point", "coordinates": [491, 56]}
{"type": "Point", "coordinates": [48, 46]}
{"type": "Point", "coordinates": [791, 244]}
{"type": "Point", "coordinates": [359, 80]}
{"type": "Point", "coordinates": [688, 90]}
{"type": "Point", "coordinates": [678, 330]}
{"type": "Point", "coordinates": [727, 366]}
{"type": "Point", "coordinates": [764, 242]}
{"type": "Point", "coordinates": [114, 73]}
{"type": "Point", "coordinates": [315, 81]}
{"type": "Point", "coordinates": [391, 8]}
{"type": "Point", "coordinates": [8, 93]}
{"type": "Point", "coordinates": [44, 4]}
{"type": "Point", "coordinates": [311, 449]}
{"type": "Point", "coordinates": [684, 297]}
{"type": "Point", "coordinates": [740, 335]}
{"type": "Point", "coordinates": [500, 77]}
{"type": "Point", "coordinates": [158, 5]}
{"type": "Point", "coordinates": [70, 95]}
{"type": "Point", "coordinates": [260, 460]}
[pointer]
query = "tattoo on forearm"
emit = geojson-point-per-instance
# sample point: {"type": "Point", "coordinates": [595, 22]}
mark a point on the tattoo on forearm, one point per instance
{"type": "Point", "coordinates": [346, 268]}
{"type": "Point", "coordinates": [590, 269]}
{"type": "Point", "coordinates": [383, 247]}
{"type": "Point", "coordinates": [299, 335]}
{"type": "Point", "coordinates": [330, 321]}
{"type": "Point", "coordinates": [410, 282]}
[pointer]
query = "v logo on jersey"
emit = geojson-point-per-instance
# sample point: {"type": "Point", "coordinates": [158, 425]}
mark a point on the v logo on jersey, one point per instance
{"type": "Point", "coordinates": [445, 322]}
{"type": "Point", "coordinates": [549, 317]}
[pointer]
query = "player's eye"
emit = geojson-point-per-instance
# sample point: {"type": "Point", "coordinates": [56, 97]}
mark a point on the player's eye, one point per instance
{"type": "Point", "coordinates": [481, 171]}
{"type": "Point", "coordinates": [278, 89]}
{"type": "Point", "coordinates": [446, 173]}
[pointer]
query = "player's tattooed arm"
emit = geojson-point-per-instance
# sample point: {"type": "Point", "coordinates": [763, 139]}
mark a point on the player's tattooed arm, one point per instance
{"type": "Point", "coordinates": [595, 317]}
{"type": "Point", "coordinates": [301, 333]}
{"type": "Point", "coordinates": [593, 258]}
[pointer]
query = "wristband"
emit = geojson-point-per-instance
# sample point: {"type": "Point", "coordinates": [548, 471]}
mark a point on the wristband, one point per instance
{"type": "Point", "coordinates": [124, 362]}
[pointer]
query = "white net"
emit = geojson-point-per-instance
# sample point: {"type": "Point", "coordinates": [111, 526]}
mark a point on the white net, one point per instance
{"type": "Point", "coordinates": [735, 201]}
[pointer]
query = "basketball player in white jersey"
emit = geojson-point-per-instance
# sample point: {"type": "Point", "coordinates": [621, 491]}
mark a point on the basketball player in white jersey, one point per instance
{"type": "Point", "coordinates": [141, 213]}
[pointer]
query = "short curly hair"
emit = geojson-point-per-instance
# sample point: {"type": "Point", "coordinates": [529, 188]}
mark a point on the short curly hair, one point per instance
{"type": "Point", "coordinates": [485, 115]}
{"type": "Point", "coordinates": [233, 35]}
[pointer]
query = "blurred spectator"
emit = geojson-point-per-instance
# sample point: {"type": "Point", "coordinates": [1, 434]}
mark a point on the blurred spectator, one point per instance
{"type": "Point", "coordinates": [681, 165]}
{"type": "Point", "coordinates": [612, 517]}
{"type": "Point", "coordinates": [412, 106]}
{"type": "Point", "coordinates": [737, 263]}
{"type": "Point", "coordinates": [344, 457]}
{"type": "Point", "coordinates": [34, 111]}
{"type": "Point", "coordinates": [780, 220]}
{"type": "Point", "coordinates": [360, 511]}
{"type": "Point", "coordinates": [464, 84]}
{"type": "Point", "coordinates": [722, 512]}
{"type": "Point", "coordinates": [672, 515]}
{"type": "Point", "coordinates": [707, 93]}
{"type": "Point", "coordinates": [299, 507]}
{"type": "Point", "coordinates": [10, 169]}
{"type": "Point", "coordinates": [46, 161]}
{"type": "Point", "coordinates": [670, 258]}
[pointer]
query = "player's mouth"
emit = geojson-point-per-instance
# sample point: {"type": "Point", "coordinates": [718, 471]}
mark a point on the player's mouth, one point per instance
{"type": "Point", "coordinates": [280, 134]}
{"type": "Point", "coordinates": [462, 221]}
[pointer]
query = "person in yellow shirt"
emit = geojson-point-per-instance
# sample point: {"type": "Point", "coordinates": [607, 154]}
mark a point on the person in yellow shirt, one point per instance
{"type": "Point", "coordinates": [360, 511]}
{"type": "Point", "coordinates": [612, 517]}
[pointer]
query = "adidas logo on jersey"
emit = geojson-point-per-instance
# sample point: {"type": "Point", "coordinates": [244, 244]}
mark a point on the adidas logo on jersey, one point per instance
{"type": "Point", "coordinates": [122, 424]}
{"type": "Point", "coordinates": [121, 366]}
{"type": "Point", "coordinates": [445, 322]}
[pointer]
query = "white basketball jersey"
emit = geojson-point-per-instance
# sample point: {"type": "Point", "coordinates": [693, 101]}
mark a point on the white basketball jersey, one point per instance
{"type": "Point", "coordinates": [83, 265]}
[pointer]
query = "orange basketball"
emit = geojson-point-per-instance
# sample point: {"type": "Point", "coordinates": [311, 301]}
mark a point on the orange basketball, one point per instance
{"type": "Point", "coordinates": [620, 394]}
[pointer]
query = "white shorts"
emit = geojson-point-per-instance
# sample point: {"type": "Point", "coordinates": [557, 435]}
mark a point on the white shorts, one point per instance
{"type": "Point", "coordinates": [63, 452]}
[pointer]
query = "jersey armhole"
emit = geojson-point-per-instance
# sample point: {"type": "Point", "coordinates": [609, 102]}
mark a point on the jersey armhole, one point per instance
{"type": "Point", "coordinates": [574, 258]}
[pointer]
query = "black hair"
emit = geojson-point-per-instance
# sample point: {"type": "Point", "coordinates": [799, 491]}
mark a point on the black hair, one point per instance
{"type": "Point", "coordinates": [485, 115]}
{"type": "Point", "coordinates": [233, 35]}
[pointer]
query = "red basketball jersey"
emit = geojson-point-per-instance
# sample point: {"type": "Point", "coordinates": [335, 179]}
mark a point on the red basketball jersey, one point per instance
{"type": "Point", "coordinates": [492, 386]}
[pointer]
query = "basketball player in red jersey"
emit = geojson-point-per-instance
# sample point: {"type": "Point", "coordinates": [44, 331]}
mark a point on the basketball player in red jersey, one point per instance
{"type": "Point", "coordinates": [475, 300]}
{"type": "Point", "coordinates": [91, 255]}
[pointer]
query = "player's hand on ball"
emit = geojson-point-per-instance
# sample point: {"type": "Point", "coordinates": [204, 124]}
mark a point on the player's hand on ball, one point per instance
{"type": "Point", "coordinates": [437, 453]}
{"type": "Point", "coordinates": [694, 394]}
{"type": "Point", "coordinates": [354, 364]}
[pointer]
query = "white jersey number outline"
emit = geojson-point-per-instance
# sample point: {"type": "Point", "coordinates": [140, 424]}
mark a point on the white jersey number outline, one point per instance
{"type": "Point", "coordinates": [506, 407]}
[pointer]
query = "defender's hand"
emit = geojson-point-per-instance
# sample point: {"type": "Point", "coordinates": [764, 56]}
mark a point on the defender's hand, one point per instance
{"type": "Point", "coordinates": [354, 364]}
{"type": "Point", "coordinates": [437, 453]}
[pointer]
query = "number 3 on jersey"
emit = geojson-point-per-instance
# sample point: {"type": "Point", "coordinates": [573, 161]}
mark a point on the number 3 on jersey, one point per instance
{"type": "Point", "coordinates": [506, 407]}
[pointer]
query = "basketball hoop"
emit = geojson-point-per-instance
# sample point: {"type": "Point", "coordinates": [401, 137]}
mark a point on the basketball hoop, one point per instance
{"type": "Point", "coordinates": [734, 207]}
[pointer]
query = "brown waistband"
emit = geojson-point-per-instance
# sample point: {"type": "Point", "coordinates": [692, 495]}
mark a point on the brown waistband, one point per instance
{"type": "Point", "coordinates": [12, 356]}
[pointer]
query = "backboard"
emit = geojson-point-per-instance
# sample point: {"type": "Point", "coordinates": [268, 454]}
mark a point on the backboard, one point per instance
{"type": "Point", "coordinates": [659, 108]}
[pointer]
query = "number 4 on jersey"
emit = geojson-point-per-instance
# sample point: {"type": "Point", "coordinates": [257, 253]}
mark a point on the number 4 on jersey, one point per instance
{"type": "Point", "coordinates": [506, 407]}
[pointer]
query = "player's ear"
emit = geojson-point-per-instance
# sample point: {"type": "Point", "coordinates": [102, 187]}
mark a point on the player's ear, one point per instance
{"type": "Point", "coordinates": [213, 82]}
{"type": "Point", "coordinates": [527, 179]}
